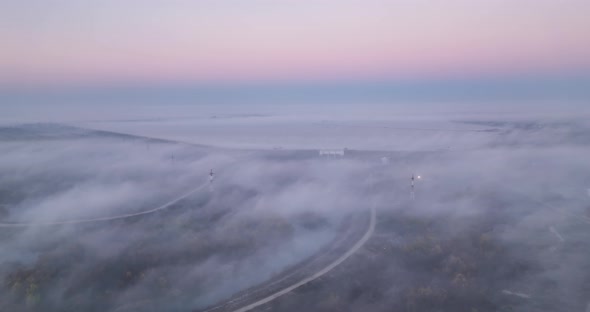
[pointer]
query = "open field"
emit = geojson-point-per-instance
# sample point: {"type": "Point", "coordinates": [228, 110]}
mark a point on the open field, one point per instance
{"type": "Point", "coordinates": [100, 220]}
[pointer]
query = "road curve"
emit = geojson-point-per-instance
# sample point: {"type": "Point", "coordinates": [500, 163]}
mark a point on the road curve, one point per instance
{"type": "Point", "coordinates": [230, 305]}
{"type": "Point", "coordinates": [123, 216]}
{"type": "Point", "coordinates": [325, 270]}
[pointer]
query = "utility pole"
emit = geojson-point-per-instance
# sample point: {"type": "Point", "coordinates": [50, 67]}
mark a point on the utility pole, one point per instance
{"type": "Point", "coordinates": [412, 186]}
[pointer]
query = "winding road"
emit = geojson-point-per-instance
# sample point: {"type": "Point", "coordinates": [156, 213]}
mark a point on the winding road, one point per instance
{"type": "Point", "coordinates": [307, 271]}
{"type": "Point", "coordinates": [100, 219]}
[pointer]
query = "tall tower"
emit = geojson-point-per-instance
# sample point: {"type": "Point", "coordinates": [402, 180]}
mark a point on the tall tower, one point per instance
{"type": "Point", "coordinates": [412, 187]}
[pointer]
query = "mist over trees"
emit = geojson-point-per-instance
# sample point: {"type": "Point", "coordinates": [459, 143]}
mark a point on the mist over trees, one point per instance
{"type": "Point", "coordinates": [501, 225]}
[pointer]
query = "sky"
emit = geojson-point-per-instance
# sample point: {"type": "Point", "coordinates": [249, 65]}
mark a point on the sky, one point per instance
{"type": "Point", "coordinates": [64, 43]}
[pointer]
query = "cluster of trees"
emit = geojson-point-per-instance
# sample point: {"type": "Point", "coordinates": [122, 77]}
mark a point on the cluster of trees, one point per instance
{"type": "Point", "coordinates": [73, 275]}
{"type": "Point", "coordinates": [416, 264]}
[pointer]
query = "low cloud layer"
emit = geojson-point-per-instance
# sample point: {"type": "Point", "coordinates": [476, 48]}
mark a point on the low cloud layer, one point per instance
{"type": "Point", "coordinates": [502, 202]}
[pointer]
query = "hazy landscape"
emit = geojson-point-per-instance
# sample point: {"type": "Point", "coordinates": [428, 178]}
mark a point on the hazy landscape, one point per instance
{"type": "Point", "coordinates": [500, 218]}
{"type": "Point", "coordinates": [282, 155]}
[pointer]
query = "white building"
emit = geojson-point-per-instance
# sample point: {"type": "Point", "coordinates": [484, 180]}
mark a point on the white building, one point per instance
{"type": "Point", "coordinates": [329, 153]}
